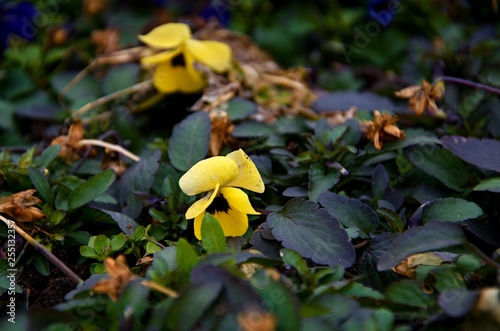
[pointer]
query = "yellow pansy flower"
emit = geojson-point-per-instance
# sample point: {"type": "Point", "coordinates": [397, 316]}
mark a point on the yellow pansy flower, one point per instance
{"type": "Point", "coordinates": [219, 176]}
{"type": "Point", "coordinates": [174, 64]}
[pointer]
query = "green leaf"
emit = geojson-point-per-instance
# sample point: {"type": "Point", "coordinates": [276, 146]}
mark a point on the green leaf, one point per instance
{"type": "Point", "coordinates": [87, 251]}
{"type": "Point", "coordinates": [190, 140]}
{"type": "Point", "coordinates": [450, 210]}
{"type": "Point", "coordinates": [312, 232]}
{"type": "Point", "coordinates": [321, 180]}
{"type": "Point", "coordinates": [239, 108]}
{"type": "Point", "coordinates": [132, 299]}
{"type": "Point", "coordinates": [48, 155]}
{"type": "Point", "coordinates": [42, 265]}
{"type": "Point", "coordinates": [41, 184]}
{"type": "Point", "coordinates": [126, 224]}
{"type": "Point", "coordinates": [446, 277]}
{"type": "Point", "coordinates": [118, 241]}
{"type": "Point", "coordinates": [358, 290]}
{"type": "Point", "coordinates": [56, 217]}
{"type": "Point", "coordinates": [285, 308]}
{"type": "Point", "coordinates": [352, 213]}
{"type": "Point", "coordinates": [139, 177]}
{"type": "Point", "coordinates": [294, 259]}
{"type": "Point", "coordinates": [432, 236]}
{"type": "Point", "coordinates": [408, 292]}
{"type": "Point", "coordinates": [152, 248]}
{"type": "Point", "coordinates": [253, 129]}
{"type": "Point", "coordinates": [91, 189]}
{"type": "Point", "coordinates": [490, 184]}
{"type": "Point", "coordinates": [212, 235]}
{"type": "Point", "coordinates": [86, 90]}
{"type": "Point", "coordinates": [393, 218]}
{"type": "Point", "coordinates": [27, 158]}
{"type": "Point", "coordinates": [441, 164]}
{"type": "Point", "coordinates": [187, 309]}
{"type": "Point", "coordinates": [186, 258]}
{"type": "Point", "coordinates": [101, 244]}
{"type": "Point", "coordinates": [119, 77]}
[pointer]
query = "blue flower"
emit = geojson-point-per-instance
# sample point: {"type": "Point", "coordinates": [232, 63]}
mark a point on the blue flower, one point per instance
{"type": "Point", "coordinates": [383, 11]}
{"type": "Point", "coordinates": [16, 22]}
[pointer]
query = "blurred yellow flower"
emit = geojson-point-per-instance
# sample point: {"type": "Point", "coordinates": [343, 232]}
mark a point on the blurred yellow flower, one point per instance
{"type": "Point", "coordinates": [174, 70]}
{"type": "Point", "coordinates": [219, 176]}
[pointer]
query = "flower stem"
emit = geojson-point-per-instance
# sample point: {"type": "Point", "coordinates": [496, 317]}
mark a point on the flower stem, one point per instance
{"type": "Point", "coordinates": [157, 287]}
{"type": "Point", "coordinates": [116, 148]}
{"type": "Point", "coordinates": [129, 90]}
{"type": "Point", "coordinates": [45, 252]}
{"type": "Point", "coordinates": [469, 83]}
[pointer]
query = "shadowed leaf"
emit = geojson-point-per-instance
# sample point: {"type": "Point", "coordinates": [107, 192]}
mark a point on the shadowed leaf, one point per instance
{"type": "Point", "coordinates": [312, 232]}
{"type": "Point", "coordinates": [479, 152]}
{"type": "Point", "coordinates": [190, 140]}
{"type": "Point", "coordinates": [432, 236]}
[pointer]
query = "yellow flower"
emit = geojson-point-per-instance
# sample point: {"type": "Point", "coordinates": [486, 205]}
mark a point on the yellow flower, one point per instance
{"type": "Point", "coordinates": [219, 176]}
{"type": "Point", "coordinates": [174, 64]}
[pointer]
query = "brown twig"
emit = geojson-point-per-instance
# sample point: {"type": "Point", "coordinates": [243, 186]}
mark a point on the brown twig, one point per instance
{"type": "Point", "coordinates": [129, 90]}
{"type": "Point", "coordinates": [116, 148]}
{"type": "Point", "coordinates": [469, 83]}
{"type": "Point", "coordinates": [45, 252]}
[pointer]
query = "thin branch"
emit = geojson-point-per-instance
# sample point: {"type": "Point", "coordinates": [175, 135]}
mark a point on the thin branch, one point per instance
{"type": "Point", "coordinates": [469, 83]}
{"type": "Point", "coordinates": [116, 148]}
{"type": "Point", "coordinates": [157, 287]}
{"type": "Point", "coordinates": [483, 256]}
{"type": "Point", "coordinates": [118, 57]}
{"type": "Point", "coordinates": [129, 90]}
{"type": "Point", "coordinates": [45, 252]}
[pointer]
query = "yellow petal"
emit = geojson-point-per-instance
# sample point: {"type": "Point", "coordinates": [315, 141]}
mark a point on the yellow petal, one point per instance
{"type": "Point", "coordinates": [161, 57]}
{"type": "Point", "coordinates": [167, 35]}
{"type": "Point", "coordinates": [234, 223]}
{"type": "Point", "coordinates": [169, 79]}
{"type": "Point", "coordinates": [237, 199]}
{"type": "Point", "coordinates": [194, 80]}
{"type": "Point", "coordinates": [214, 54]}
{"type": "Point", "coordinates": [206, 174]}
{"type": "Point", "coordinates": [248, 177]}
{"type": "Point", "coordinates": [201, 205]}
{"type": "Point", "coordinates": [197, 225]}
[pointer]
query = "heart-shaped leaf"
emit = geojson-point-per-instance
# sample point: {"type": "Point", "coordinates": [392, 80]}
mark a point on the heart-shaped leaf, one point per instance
{"type": "Point", "coordinates": [441, 164]}
{"type": "Point", "coordinates": [126, 224]}
{"type": "Point", "coordinates": [432, 236]}
{"type": "Point", "coordinates": [479, 152]}
{"type": "Point", "coordinates": [321, 180]}
{"type": "Point", "coordinates": [139, 177]}
{"type": "Point", "coordinates": [450, 210]}
{"type": "Point", "coordinates": [190, 140]}
{"type": "Point", "coordinates": [352, 213]}
{"type": "Point", "coordinates": [312, 232]}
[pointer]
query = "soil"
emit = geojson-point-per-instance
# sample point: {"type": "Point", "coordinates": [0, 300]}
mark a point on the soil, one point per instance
{"type": "Point", "coordinates": [47, 291]}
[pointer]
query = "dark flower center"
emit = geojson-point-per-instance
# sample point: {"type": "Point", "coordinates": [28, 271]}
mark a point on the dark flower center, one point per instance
{"type": "Point", "coordinates": [218, 205]}
{"type": "Point", "coordinates": [178, 61]}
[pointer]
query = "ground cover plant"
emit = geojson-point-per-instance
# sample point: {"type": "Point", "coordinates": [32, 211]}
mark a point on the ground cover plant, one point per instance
{"type": "Point", "coordinates": [249, 165]}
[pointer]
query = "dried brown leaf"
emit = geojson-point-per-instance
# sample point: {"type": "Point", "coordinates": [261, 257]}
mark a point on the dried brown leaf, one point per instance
{"type": "Point", "coordinates": [21, 206]}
